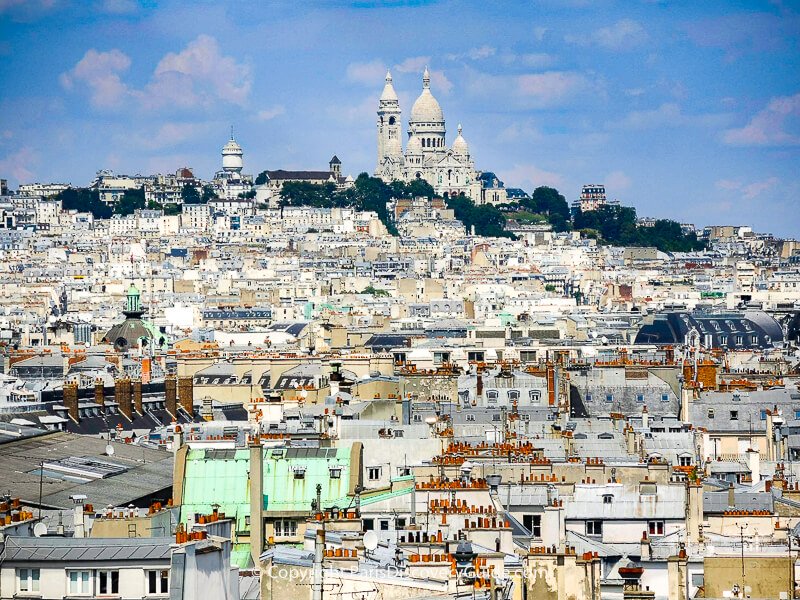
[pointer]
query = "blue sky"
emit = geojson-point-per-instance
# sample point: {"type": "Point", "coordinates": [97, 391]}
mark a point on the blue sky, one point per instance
{"type": "Point", "coordinates": [687, 110]}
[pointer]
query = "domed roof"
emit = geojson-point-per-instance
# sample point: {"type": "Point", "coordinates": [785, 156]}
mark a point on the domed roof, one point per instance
{"type": "Point", "coordinates": [232, 147]}
{"type": "Point", "coordinates": [388, 90]}
{"type": "Point", "coordinates": [460, 145]}
{"type": "Point", "coordinates": [414, 145]}
{"type": "Point", "coordinates": [426, 109]}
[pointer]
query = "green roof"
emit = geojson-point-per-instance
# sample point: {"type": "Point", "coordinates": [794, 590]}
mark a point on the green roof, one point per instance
{"type": "Point", "coordinates": [221, 477]}
{"type": "Point", "coordinates": [222, 481]}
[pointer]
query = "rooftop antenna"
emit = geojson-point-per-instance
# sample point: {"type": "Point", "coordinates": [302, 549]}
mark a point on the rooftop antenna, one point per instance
{"type": "Point", "coordinates": [231, 131]}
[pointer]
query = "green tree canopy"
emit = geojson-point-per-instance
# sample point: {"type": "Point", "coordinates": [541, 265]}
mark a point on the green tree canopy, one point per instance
{"type": "Point", "coordinates": [261, 178]}
{"type": "Point", "coordinates": [551, 203]}
{"type": "Point", "coordinates": [131, 201]}
{"type": "Point", "coordinates": [190, 195]}
{"type": "Point", "coordinates": [84, 200]}
{"type": "Point", "coordinates": [487, 219]}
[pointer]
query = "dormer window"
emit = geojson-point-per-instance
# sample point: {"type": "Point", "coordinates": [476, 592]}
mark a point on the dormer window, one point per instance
{"type": "Point", "coordinates": [608, 498]}
{"type": "Point", "coordinates": [299, 472]}
{"type": "Point", "coordinates": [335, 472]}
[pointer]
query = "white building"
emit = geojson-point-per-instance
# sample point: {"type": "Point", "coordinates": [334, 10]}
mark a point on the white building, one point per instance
{"type": "Point", "coordinates": [450, 170]}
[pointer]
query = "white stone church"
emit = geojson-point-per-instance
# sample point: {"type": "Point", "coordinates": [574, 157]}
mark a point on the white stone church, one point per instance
{"type": "Point", "coordinates": [450, 170]}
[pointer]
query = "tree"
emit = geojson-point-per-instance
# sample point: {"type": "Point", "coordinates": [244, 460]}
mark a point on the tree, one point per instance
{"type": "Point", "coordinates": [486, 219]}
{"type": "Point", "coordinates": [549, 202]}
{"type": "Point", "coordinates": [208, 194]}
{"type": "Point", "coordinates": [84, 200]}
{"type": "Point", "coordinates": [190, 195]}
{"type": "Point", "coordinates": [261, 178]}
{"type": "Point", "coordinates": [617, 225]}
{"type": "Point", "coordinates": [132, 200]}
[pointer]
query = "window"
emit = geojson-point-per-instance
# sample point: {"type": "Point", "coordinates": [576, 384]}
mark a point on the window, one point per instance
{"type": "Point", "coordinates": [384, 525]}
{"type": "Point", "coordinates": [655, 527]}
{"type": "Point", "coordinates": [369, 524]}
{"type": "Point", "coordinates": [533, 523]}
{"type": "Point", "coordinates": [495, 417]}
{"type": "Point", "coordinates": [535, 396]}
{"type": "Point", "coordinates": [608, 498]}
{"type": "Point", "coordinates": [685, 461]}
{"type": "Point", "coordinates": [710, 413]}
{"type": "Point", "coordinates": [734, 415]}
{"type": "Point", "coordinates": [418, 418]}
{"type": "Point", "coordinates": [336, 472]}
{"type": "Point", "coordinates": [763, 415]}
{"type": "Point", "coordinates": [640, 397]}
{"type": "Point", "coordinates": [373, 473]}
{"type": "Point", "coordinates": [594, 528]}
{"type": "Point", "coordinates": [28, 580]}
{"type": "Point", "coordinates": [470, 418]}
{"type": "Point", "coordinates": [513, 395]}
{"type": "Point", "coordinates": [797, 414]}
{"type": "Point", "coordinates": [157, 582]}
{"type": "Point", "coordinates": [665, 397]}
{"type": "Point", "coordinates": [403, 471]}
{"type": "Point", "coordinates": [285, 528]}
{"type": "Point", "coordinates": [80, 583]}
{"type": "Point", "coordinates": [609, 397]}
{"type": "Point", "coordinates": [107, 583]}
{"type": "Point", "coordinates": [491, 395]}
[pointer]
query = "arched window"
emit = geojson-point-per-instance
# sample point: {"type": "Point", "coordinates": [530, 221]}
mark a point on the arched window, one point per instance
{"type": "Point", "coordinates": [391, 120]}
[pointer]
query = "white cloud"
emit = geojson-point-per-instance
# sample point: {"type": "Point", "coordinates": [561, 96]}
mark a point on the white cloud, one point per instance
{"type": "Point", "coordinates": [531, 176]}
{"type": "Point", "coordinates": [668, 114]}
{"type": "Point", "coordinates": [414, 64]}
{"type": "Point", "coordinates": [539, 33]}
{"type": "Point", "coordinates": [197, 76]}
{"type": "Point", "coordinates": [769, 126]}
{"type": "Point", "coordinates": [480, 53]}
{"type": "Point", "coordinates": [536, 60]}
{"type": "Point", "coordinates": [99, 71]}
{"type": "Point", "coordinates": [119, 7]}
{"type": "Point", "coordinates": [440, 82]}
{"type": "Point", "coordinates": [268, 114]}
{"type": "Point", "coordinates": [550, 87]}
{"type": "Point", "coordinates": [18, 164]}
{"type": "Point", "coordinates": [617, 181]}
{"type": "Point", "coordinates": [625, 34]}
{"type": "Point", "coordinates": [368, 73]}
{"type": "Point", "coordinates": [520, 130]}
{"type": "Point", "coordinates": [209, 74]}
{"type": "Point", "coordinates": [170, 134]}
{"type": "Point", "coordinates": [747, 191]}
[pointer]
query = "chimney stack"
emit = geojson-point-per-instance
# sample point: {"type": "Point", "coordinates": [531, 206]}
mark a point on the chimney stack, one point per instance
{"type": "Point", "coordinates": [99, 392]}
{"type": "Point", "coordinates": [137, 395]}
{"type": "Point", "coordinates": [186, 394]}
{"type": "Point", "coordinates": [171, 395]}
{"type": "Point", "coordinates": [70, 391]}
{"type": "Point", "coordinates": [122, 394]}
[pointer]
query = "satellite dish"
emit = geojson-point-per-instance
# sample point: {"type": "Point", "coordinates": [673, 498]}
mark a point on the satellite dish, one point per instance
{"type": "Point", "coordinates": [39, 529]}
{"type": "Point", "coordinates": [109, 450]}
{"type": "Point", "coordinates": [370, 540]}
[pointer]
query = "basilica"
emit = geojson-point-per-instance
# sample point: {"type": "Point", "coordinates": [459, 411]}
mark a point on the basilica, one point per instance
{"type": "Point", "coordinates": [450, 170]}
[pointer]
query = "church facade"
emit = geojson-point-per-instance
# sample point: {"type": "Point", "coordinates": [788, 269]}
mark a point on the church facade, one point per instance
{"type": "Point", "coordinates": [450, 170]}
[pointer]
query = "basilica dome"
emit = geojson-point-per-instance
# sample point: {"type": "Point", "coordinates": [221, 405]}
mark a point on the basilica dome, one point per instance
{"type": "Point", "coordinates": [426, 109]}
{"type": "Point", "coordinates": [414, 145]}
{"type": "Point", "coordinates": [460, 145]}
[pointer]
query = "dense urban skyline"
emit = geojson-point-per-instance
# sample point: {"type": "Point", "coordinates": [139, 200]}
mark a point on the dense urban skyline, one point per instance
{"type": "Point", "coordinates": [686, 112]}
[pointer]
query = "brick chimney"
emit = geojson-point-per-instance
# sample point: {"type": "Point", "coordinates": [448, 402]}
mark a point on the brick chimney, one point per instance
{"type": "Point", "coordinates": [171, 395]}
{"type": "Point", "coordinates": [122, 394]}
{"type": "Point", "coordinates": [99, 392]}
{"type": "Point", "coordinates": [70, 391]}
{"type": "Point", "coordinates": [136, 384]}
{"type": "Point", "coordinates": [186, 394]}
